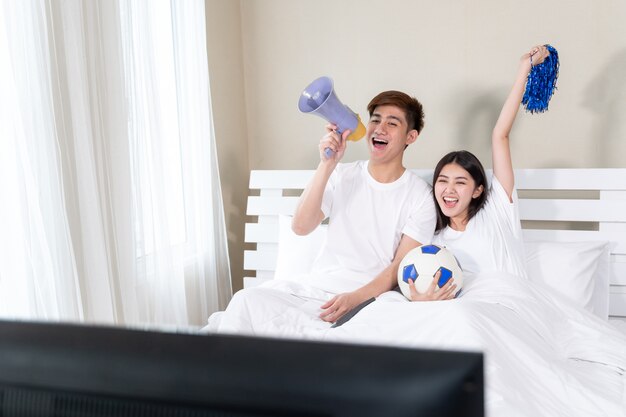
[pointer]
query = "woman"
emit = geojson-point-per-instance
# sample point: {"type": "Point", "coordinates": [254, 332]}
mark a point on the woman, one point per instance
{"type": "Point", "coordinates": [544, 354]}
{"type": "Point", "coordinates": [477, 222]}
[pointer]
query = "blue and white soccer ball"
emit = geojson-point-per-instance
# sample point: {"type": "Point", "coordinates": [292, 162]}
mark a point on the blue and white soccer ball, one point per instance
{"type": "Point", "coordinates": [422, 263]}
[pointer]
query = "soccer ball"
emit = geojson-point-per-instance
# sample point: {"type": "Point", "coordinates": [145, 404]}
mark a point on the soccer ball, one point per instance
{"type": "Point", "coordinates": [422, 263]}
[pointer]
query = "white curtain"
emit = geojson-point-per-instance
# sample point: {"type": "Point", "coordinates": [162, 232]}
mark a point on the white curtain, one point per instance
{"type": "Point", "coordinates": [37, 267]}
{"type": "Point", "coordinates": [127, 120]}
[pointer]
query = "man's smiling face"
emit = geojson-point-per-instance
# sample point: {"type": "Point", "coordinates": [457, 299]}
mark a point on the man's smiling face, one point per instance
{"type": "Point", "coordinates": [387, 133]}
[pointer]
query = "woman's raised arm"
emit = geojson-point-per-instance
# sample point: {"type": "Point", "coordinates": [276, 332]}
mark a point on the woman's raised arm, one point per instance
{"type": "Point", "coordinates": [500, 149]}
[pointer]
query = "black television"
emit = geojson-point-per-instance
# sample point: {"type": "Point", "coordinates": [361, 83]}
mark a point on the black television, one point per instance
{"type": "Point", "coordinates": [76, 370]}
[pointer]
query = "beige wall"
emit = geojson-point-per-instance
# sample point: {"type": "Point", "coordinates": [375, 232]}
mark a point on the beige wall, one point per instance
{"type": "Point", "coordinates": [458, 57]}
{"type": "Point", "coordinates": [224, 47]}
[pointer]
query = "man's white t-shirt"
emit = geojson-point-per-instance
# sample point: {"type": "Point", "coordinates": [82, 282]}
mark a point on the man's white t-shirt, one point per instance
{"type": "Point", "coordinates": [366, 222]}
{"type": "Point", "coordinates": [492, 240]}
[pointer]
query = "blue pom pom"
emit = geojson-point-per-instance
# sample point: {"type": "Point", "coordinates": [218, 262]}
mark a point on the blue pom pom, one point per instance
{"type": "Point", "coordinates": [541, 83]}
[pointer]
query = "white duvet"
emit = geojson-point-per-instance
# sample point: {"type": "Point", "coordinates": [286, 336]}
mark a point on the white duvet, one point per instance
{"type": "Point", "coordinates": [543, 355]}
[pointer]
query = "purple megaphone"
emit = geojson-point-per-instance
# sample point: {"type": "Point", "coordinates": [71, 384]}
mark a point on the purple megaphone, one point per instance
{"type": "Point", "coordinates": [319, 98]}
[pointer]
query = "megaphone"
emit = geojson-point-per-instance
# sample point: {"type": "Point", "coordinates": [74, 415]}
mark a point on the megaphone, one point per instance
{"type": "Point", "coordinates": [319, 98]}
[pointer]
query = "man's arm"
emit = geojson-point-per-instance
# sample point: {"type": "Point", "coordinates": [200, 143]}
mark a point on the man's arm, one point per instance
{"type": "Point", "coordinates": [308, 214]}
{"type": "Point", "coordinates": [385, 281]}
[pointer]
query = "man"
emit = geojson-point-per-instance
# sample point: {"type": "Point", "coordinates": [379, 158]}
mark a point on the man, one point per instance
{"type": "Point", "coordinates": [377, 210]}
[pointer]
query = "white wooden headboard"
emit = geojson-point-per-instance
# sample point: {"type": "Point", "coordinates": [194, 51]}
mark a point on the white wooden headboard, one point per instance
{"type": "Point", "coordinates": [555, 204]}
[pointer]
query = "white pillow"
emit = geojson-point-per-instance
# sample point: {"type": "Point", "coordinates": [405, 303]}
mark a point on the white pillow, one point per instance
{"type": "Point", "coordinates": [296, 253]}
{"type": "Point", "coordinates": [578, 270]}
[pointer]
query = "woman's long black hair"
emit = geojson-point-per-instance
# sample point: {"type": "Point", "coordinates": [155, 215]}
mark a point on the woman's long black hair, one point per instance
{"type": "Point", "coordinates": [471, 164]}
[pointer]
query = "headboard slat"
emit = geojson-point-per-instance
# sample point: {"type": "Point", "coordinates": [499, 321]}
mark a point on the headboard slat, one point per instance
{"type": "Point", "coordinates": [572, 210]}
{"type": "Point", "coordinates": [257, 232]}
{"type": "Point", "coordinates": [571, 179]}
{"type": "Point", "coordinates": [271, 205]}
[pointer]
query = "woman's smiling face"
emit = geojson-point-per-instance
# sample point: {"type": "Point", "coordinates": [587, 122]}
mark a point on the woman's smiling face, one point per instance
{"type": "Point", "coordinates": [454, 190]}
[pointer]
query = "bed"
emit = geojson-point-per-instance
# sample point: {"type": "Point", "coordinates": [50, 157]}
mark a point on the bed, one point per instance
{"type": "Point", "coordinates": [555, 348]}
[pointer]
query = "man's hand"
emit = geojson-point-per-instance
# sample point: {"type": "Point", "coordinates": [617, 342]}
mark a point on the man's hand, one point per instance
{"type": "Point", "coordinates": [339, 305]}
{"type": "Point", "coordinates": [334, 141]}
{"type": "Point", "coordinates": [447, 292]}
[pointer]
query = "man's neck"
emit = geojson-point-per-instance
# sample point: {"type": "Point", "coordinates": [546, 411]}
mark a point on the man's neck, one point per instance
{"type": "Point", "coordinates": [385, 173]}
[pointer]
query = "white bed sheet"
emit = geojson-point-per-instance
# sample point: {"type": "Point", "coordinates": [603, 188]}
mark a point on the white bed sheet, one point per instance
{"type": "Point", "coordinates": [543, 355]}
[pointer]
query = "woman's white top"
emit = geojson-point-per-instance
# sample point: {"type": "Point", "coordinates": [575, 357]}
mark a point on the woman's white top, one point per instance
{"type": "Point", "coordinates": [492, 240]}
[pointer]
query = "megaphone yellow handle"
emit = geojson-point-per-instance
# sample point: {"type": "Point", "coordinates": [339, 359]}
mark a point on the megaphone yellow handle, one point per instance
{"type": "Point", "coordinates": [359, 132]}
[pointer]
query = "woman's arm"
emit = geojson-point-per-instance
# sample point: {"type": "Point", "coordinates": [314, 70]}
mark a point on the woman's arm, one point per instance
{"type": "Point", "coordinates": [501, 152]}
